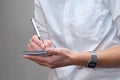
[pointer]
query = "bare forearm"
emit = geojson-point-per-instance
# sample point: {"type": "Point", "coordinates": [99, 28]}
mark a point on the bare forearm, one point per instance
{"type": "Point", "coordinates": [109, 57]}
{"type": "Point", "coordinates": [106, 58]}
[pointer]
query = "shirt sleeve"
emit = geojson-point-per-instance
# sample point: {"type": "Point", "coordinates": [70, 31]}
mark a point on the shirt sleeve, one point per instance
{"type": "Point", "coordinates": [39, 16]}
{"type": "Point", "coordinates": [114, 8]}
{"type": "Point", "coordinates": [118, 25]}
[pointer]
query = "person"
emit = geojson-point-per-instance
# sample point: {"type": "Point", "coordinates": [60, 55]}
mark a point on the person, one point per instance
{"type": "Point", "coordinates": [86, 35]}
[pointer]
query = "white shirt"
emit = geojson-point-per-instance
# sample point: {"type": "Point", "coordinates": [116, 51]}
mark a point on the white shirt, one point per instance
{"type": "Point", "coordinates": [80, 25]}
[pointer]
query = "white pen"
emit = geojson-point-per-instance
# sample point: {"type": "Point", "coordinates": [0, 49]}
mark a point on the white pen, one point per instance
{"type": "Point", "coordinates": [37, 31]}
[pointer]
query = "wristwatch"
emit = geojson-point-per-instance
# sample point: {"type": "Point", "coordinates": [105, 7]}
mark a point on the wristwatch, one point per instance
{"type": "Point", "coordinates": [93, 61]}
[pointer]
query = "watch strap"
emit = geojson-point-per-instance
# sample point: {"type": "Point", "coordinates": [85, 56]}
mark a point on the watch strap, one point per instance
{"type": "Point", "coordinates": [93, 61]}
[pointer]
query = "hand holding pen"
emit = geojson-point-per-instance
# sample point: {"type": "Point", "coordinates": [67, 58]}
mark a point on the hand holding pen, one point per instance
{"type": "Point", "coordinates": [37, 31]}
{"type": "Point", "coordinates": [37, 44]}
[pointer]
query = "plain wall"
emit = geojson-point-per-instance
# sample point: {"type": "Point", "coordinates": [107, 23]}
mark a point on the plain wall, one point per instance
{"type": "Point", "coordinates": [15, 32]}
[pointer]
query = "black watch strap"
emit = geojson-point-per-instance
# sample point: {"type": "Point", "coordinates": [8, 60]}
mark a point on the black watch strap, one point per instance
{"type": "Point", "coordinates": [93, 61]}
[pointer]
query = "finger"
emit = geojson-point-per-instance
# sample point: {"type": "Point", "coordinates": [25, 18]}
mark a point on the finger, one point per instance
{"type": "Point", "coordinates": [41, 60]}
{"type": "Point", "coordinates": [36, 58]}
{"type": "Point", "coordinates": [29, 48]}
{"type": "Point", "coordinates": [31, 59]}
{"type": "Point", "coordinates": [48, 43]}
{"type": "Point", "coordinates": [36, 40]}
{"type": "Point", "coordinates": [35, 46]}
{"type": "Point", "coordinates": [32, 47]}
{"type": "Point", "coordinates": [53, 51]}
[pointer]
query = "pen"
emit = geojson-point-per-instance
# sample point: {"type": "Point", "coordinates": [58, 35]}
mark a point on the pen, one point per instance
{"type": "Point", "coordinates": [37, 31]}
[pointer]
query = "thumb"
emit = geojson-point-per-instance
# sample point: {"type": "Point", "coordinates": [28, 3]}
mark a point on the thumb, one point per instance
{"type": "Point", "coordinates": [53, 51]}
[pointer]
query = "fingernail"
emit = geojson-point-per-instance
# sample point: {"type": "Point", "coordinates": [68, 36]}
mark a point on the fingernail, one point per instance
{"type": "Point", "coordinates": [25, 56]}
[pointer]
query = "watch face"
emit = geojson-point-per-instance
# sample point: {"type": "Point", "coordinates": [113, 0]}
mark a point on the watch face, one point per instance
{"type": "Point", "coordinates": [92, 64]}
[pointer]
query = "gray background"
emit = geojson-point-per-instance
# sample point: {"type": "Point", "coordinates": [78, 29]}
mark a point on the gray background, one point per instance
{"type": "Point", "coordinates": [15, 32]}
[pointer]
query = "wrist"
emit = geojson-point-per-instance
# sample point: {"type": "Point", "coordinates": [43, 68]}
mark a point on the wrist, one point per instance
{"type": "Point", "coordinates": [92, 63]}
{"type": "Point", "coordinates": [80, 58]}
